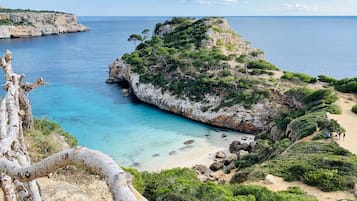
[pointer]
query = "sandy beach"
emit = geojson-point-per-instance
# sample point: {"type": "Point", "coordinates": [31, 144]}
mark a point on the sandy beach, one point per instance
{"type": "Point", "coordinates": [201, 152]}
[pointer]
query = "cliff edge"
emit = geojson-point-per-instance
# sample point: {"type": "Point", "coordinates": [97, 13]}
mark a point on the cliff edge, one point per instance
{"type": "Point", "coordinates": [201, 69]}
{"type": "Point", "coordinates": [27, 23]}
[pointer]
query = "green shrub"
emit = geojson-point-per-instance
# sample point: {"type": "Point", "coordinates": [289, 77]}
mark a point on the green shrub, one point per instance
{"type": "Point", "coordinates": [4, 22]}
{"type": "Point", "coordinates": [325, 179]}
{"type": "Point", "coordinates": [322, 164]}
{"type": "Point", "coordinates": [299, 76]}
{"type": "Point", "coordinates": [327, 79]}
{"type": "Point", "coordinates": [299, 93]}
{"type": "Point", "coordinates": [182, 185]}
{"type": "Point", "coordinates": [354, 109]}
{"type": "Point", "coordinates": [284, 118]}
{"type": "Point", "coordinates": [138, 180]}
{"type": "Point", "coordinates": [326, 96]}
{"type": "Point", "coordinates": [346, 85]}
{"type": "Point", "coordinates": [261, 64]}
{"type": "Point", "coordinates": [333, 109]}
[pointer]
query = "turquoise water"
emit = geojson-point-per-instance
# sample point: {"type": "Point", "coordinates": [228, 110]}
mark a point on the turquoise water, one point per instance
{"type": "Point", "coordinates": [75, 65]}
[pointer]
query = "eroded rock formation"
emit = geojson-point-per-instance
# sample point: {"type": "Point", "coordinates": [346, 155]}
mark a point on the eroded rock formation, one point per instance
{"type": "Point", "coordinates": [16, 24]}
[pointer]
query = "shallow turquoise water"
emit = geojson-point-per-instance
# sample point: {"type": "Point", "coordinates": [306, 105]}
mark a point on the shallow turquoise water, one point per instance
{"type": "Point", "coordinates": [75, 65]}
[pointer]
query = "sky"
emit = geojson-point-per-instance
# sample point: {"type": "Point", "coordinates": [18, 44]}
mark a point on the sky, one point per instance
{"type": "Point", "coordinates": [190, 7]}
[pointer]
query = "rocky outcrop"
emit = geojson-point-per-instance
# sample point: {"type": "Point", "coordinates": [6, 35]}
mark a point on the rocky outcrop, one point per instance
{"type": "Point", "coordinates": [33, 23]}
{"type": "Point", "coordinates": [237, 117]}
{"type": "Point", "coordinates": [208, 109]}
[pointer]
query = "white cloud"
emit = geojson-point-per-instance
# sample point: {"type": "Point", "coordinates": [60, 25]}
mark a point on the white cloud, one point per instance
{"type": "Point", "coordinates": [216, 2]}
{"type": "Point", "coordinates": [316, 9]}
{"type": "Point", "coordinates": [297, 7]}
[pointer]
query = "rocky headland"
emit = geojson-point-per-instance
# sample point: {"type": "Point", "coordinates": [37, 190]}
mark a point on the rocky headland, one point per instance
{"type": "Point", "coordinates": [27, 23]}
{"type": "Point", "coordinates": [204, 71]}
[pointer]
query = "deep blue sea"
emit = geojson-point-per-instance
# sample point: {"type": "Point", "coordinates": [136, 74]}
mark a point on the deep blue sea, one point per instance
{"type": "Point", "coordinates": [76, 66]}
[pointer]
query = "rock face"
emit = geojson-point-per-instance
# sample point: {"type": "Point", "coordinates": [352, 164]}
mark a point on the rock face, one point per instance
{"type": "Point", "coordinates": [34, 23]}
{"type": "Point", "coordinates": [237, 117]}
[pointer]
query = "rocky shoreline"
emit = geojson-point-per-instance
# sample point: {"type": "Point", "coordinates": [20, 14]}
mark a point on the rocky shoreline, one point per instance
{"type": "Point", "coordinates": [21, 24]}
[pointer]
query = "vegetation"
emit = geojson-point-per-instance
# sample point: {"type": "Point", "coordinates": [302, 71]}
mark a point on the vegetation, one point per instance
{"type": "Point", "coordinates": [180, 63]}
{"type": "Point", "coordinates": [4, 22]}
{"type": "Point", "coordinates": [299, 76]}
{"type": "Point", "coordinates": [261, 64]}
{"type": "Point", "coordinates": [312, 116]}
{"type": "Point", "coordinates": [8, 22]}
{"type": "Point", "coordinates": [354, 109]}
{"type": "Point", "coordinates": [322, 164]}
{"type": "Point", "coordinates": [183, 185]}
{"type": "Point", "coordinates": [346, 85]}
{"type": "Point", "coordinates": [43, 140]}
{"type": "Point", "coordinates": [327, 79]}
{"type": "Point", "coordinates": [7, 10]}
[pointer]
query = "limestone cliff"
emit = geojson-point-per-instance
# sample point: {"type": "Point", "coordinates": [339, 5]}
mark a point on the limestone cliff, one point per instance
{"type": "Point", "coordinates": [181, 77]}
{"type": "Point", "coordinates": [25, 23]}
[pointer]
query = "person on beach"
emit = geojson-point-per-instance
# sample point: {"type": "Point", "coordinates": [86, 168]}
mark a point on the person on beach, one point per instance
{"type": "Point", "coordinates": [344, 135]}
{"type": "Point", "coordinates": [339, 135]}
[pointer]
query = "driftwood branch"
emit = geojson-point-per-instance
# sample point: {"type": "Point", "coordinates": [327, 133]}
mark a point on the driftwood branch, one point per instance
{"type": "Point", "coordinates": [118, 181]}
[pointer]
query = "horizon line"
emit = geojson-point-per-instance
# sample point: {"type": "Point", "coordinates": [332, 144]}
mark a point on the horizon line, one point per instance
{"type": "Point", "coordinates": [217, 15]}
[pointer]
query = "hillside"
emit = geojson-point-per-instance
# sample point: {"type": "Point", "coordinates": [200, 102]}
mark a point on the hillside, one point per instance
{"type": "Point", "coordinates": [202, 70]}
{"type": "Point", "coordinates": [16, 23]}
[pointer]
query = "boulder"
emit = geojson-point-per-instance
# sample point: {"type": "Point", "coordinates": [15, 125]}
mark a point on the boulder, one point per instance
{"type": "Point", "coordinates": [202, 169]}
{"type": "Point", "coordinates": [236, 146]}
{"type": "Point", "coordinates": [230, 159]}
{"type": "Point", "coordinates": [269, 179]}
{"type": "Point", "coordinates": [220, 155]}
{"type": "Point", "coordinates": [243, 153]}
{"type": "Point", "coordinates": [215, 166]}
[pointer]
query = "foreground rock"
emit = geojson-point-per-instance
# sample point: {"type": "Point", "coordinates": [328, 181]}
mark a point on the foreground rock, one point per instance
{"type": "Point", "coordinates": [216, 166]}
{"type": "Point", "coordinates": [24, 23]}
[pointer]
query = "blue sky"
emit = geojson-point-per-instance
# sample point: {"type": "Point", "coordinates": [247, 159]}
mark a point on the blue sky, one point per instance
{"type": "Point", "coordinates": [190, 7]}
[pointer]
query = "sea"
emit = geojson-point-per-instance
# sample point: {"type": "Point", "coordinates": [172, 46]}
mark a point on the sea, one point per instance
{"type": "Point", "coordinates": [100, 117]}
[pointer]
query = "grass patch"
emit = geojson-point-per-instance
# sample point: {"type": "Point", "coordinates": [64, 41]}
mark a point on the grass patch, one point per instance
{"type": "Point", "coordinates": [261, 64]}
{"type": "Point", "coordinates": [42, 141]}
{"type": "Point", "coordinates": [299, 76]}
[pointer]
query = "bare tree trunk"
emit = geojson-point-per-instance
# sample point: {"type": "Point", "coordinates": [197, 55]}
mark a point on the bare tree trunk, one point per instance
{"type": "Point", "coordinates": [8, 188]}
{"type": "Point", "coordinates": [25, 111]}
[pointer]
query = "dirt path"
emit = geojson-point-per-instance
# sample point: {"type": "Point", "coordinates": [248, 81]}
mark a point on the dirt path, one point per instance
{"type": "Point", "coordinates": [348, 120]}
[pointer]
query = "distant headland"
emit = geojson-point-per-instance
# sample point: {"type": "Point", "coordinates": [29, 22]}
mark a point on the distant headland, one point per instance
{"type": "Point", "coordinates": [18, 23]}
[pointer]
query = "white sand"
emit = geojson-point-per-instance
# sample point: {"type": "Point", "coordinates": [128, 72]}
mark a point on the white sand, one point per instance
{"type": "Point", "coordinates": [201, 152]}
{"type": "Point", "coordinates": [348, 120]}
